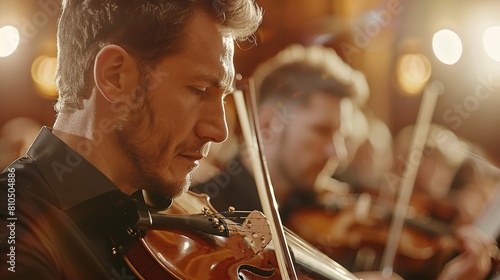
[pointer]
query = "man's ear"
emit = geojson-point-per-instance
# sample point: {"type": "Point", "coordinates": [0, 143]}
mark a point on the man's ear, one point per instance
{"type": "Point", "coordinates": [114, 70]}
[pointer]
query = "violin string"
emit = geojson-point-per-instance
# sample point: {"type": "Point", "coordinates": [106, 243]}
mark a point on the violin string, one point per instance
{"type": "Point", "coordinates": [477, 157]}
{"type": "Point", "coordinates": [235, 218]}
{"type": "Point", "coordinates": [293, 238]}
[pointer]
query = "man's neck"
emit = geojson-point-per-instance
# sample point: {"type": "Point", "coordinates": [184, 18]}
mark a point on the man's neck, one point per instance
{"type": "Point", "coordinates": [93, 136]}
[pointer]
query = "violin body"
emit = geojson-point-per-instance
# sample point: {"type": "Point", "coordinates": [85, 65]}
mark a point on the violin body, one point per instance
{"type": "Point", "coordinates": [358, 241]}
{"type": "Point", "coordinates": [181, 254]}
{"type": "Point", "coordinates": [167, 254]}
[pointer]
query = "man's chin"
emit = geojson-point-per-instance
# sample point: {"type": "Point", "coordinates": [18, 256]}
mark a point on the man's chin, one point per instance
{"type": "Point", "coordinates": [168, 188]}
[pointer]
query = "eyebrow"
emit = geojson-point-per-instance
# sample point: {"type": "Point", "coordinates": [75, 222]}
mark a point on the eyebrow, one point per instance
{"type": "Point", "coordinates": [215, 82]}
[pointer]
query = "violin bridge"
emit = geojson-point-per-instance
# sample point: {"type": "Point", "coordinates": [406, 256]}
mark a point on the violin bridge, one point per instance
{"type": "Point", "coordinates": [254, 235]}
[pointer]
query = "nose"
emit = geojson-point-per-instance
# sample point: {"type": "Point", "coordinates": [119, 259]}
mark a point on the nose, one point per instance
{"type": "Point", "coordinates": [213, 126]}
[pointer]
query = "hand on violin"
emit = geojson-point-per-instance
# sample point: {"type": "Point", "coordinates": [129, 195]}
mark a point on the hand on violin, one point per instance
{"type": "Point", "coordinates": [474, 262]}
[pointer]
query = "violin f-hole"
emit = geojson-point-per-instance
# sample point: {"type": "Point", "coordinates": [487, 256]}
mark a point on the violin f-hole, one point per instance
{"type": "Point", "coordinates": [255, 270]}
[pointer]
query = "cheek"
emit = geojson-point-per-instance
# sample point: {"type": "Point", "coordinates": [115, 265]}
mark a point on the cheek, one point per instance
{"type": "Point", "coordinates": [312, 145]}
{"type": "Point", "coordinates": [295, 140]}
{"type": "Point", "coordinates": [172, 111]}
{"type": "Point", "coordinates": [302, 150]}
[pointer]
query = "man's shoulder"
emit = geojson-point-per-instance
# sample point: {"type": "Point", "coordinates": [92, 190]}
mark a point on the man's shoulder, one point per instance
{"type": "Point", "coordinates": [23, 177]}
{"type": "Point", "coordinates": [45, 241]}
{"type": "Point", "coordinates": [23, 187]}
{"type": "Point", "coordinates": [232, 175]}
{"type": "Point", "coordinates": [232, 186]}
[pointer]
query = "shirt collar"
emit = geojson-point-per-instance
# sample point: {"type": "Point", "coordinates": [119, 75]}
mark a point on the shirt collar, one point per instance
{"type": "Point", "coordinates": [72, 179]}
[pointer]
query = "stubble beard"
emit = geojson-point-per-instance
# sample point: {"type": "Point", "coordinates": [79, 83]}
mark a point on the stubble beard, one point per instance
{"type": "Point", "coordinates": [133, 132]}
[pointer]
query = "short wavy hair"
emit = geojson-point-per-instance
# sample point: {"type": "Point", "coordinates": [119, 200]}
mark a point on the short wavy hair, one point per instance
{"type": "Point", "coordinates": [148, 29]}
{"type": "Point", "coordinates": [297, 71]}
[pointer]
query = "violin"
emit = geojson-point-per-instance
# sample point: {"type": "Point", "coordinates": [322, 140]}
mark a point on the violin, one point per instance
{"type": "Point", "coordinates": [366, 241]}
{"type": "Point", "coordinates": [190, 240]}
{"type": "Point", "coordinates": [354, 232]}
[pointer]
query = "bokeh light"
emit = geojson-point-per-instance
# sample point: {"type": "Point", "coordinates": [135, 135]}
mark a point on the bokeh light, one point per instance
{"type": "Point", "coordinates": [491, 42]}
{"type": "Point", "coordinates": [413, 72]}
{"type": "Point", "coordinates": [9, 40]}
{"type": "Point", "coordinates": [43, 71]}
{"type": "Point", "coordinates": [447, 46]}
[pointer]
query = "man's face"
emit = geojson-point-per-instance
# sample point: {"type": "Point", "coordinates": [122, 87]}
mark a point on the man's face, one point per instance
{"type": "Point", "coordinates": [171, 129]}
{"type": "Point", "coordinates": [307, 141]}
{"type": "Point", "coordinates": [434, 176]}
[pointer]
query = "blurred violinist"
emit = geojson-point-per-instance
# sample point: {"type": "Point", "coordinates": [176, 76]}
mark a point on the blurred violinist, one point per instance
{"type": "Point", "coordinates": [141, 89]}
{"type": "Point", "coordinates": [301, 93]}
{"type": "Point", "coordinates": [304, 96]}
{"type": "Point", "coordinates": [368, 163]}
{"type": "Point", "coordinates": [452, 172]}
{"type": "Point", "coordinates": [454, 183]}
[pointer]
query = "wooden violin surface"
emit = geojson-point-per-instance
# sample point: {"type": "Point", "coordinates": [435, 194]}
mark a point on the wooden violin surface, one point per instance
{"type": "Point", "coordinates": [245, 254]}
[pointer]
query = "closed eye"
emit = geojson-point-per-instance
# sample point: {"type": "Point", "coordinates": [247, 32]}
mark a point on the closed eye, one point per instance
{"type": "Point", "coordinates": [198, 90]}
{"type": "Point", "coordinates": [203, 91]}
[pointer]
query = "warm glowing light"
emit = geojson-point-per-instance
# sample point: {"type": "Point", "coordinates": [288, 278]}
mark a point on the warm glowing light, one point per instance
{"type": "Point", "coordinates": [413, 72]}
{"type": "Point", "coordinates": [9, 40]}
{"type": "Point", "coordinates": [447, 46]}
{"type": "Point", "coordinates": [491, 42]}
{"type": "Point", "coordinates": [43, 71]}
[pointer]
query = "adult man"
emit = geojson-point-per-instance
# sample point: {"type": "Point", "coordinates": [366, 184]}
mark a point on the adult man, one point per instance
{"type": "Point", "coordinates": [303, 96]}
{"type": "Point", "coordinates": [302, 93]}
{"type": "Point", "coordinates": [454, 183]}
{"type": "Point", "coordinates": [141, 88]}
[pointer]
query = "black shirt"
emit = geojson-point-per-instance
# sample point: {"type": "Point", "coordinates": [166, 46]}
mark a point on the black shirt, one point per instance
{"type": "Point", "coordinates": [233, 186]}
{"type": "Point", "coordinates": [57, 212]}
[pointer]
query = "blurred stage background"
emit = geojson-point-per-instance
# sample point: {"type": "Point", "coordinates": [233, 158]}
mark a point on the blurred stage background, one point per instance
{"type": "Point", "coordinates": [395, 43]}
